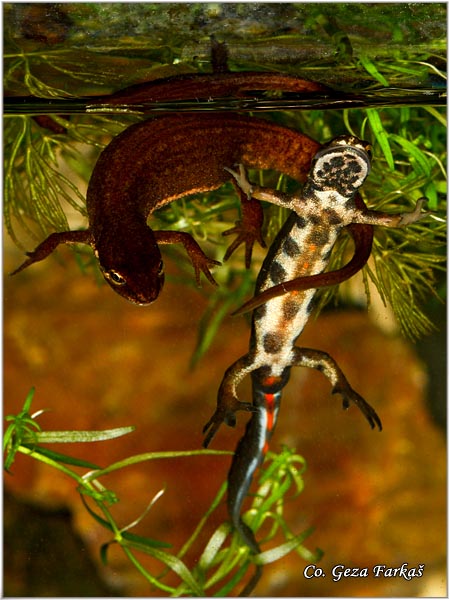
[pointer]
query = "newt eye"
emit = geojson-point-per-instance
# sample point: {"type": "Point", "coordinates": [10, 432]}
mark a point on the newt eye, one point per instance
{"type": "Point", "coordinates": [116, 278]}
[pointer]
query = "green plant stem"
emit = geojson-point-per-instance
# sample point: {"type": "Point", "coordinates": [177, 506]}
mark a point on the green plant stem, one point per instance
{"type": "Point", "coordinates": [152, 456]}
{"type": "Point", "coordinates": [48, 461]}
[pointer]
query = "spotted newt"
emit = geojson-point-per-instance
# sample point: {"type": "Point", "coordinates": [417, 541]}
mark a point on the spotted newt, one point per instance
{"type": "Point", "coordinates": [302, 248]}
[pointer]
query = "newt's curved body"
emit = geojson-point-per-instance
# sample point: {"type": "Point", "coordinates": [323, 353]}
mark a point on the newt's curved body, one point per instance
{"type": "Point", "coordinates": [155, 162]}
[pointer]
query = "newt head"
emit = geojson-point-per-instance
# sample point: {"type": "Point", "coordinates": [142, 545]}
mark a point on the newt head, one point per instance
{"type": "Point", "coordinates": [341, 166]}
{"type": "Point", "coordinates": [132, 267]}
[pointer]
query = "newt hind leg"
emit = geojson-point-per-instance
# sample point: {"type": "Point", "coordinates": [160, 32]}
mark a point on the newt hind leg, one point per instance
{"type": "Point", "coordinates": [228, 402]}
{"type": "Point", "coordinates": [316, 359]}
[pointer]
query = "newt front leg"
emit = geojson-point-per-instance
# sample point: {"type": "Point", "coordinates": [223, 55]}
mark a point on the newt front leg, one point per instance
{"type": "Point", "coordinates": [46, 247]}
{"type": "Point", "coordinates": [248, 229]}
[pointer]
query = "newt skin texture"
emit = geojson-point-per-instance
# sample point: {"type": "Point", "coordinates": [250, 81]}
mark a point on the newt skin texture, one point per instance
{"type": "Point", "coordinates": [301, 248]}
{"type": "Point", "coordinates": [158, 161]}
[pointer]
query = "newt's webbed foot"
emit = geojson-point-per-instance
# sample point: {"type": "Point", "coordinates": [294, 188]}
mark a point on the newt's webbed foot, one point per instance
{"type": "Point", "coordinates": [224, 414]}
{"type": "Point", "coordinates": [352, 397]}
{"type": "Point", "coordinates": [316, 359]}
{"type": "Point", "coordinates": [199, 260]}
{"type": "Point", "coordinates": [203, 264]}
{"type": "Point", "coordinates": [32, 258]}
{"type": "Point", "coordinates": [415, 215]}
{"type": "Point", "coordinates": [248, 229]}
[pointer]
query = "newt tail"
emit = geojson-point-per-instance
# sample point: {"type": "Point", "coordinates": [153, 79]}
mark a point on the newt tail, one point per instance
{"type": "Point", "coordinates": [249, 455]}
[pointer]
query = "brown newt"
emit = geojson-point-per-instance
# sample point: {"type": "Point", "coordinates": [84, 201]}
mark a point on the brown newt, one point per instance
{"type": "Point", "coordinates": [158, 161]}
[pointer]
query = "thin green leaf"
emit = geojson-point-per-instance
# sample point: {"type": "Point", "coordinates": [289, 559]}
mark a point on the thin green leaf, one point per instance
{"type": "Point", "coordinates": [176, 565]}
{"type": "Point", "coordinates": [28, 400]}
{"type": "Point", "coordinates": [228, 588]}
{"type": "Point", "coordinates": [215, 542]}
{"type": "Point", "coordinates": [372, 70]}
{"type": "Point", "coordinates": [104, 553]}
{"type": "Point", "coordinates": [215, 503]}
{"type": "Point", "coordinates": [138, 458]}
{"type": "Point", "coordinates": [154, 581]}
{"type": "Point", "coordinates": [278, 552]}
{"type": "Point", "coordinates": [138, 541]}
{"type": "Point", "coordinates": [66, 437]}
{"type": "Point", "coordinates": [103, 522]}
{"type": "Point", "coordinates": [418, 159]}
{"type": "Point", "coordinates": [61, 458]}
{"type": "Point", "coordinates": [380, 135]}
